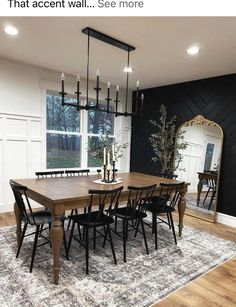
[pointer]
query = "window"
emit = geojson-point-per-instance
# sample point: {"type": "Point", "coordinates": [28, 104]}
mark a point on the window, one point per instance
{"type": "Point", "coordinates": [70, 133]}
{"type": "Point", "coordinates": [99, 124]}
{"type": "Point", "coordinates": [63, 134]}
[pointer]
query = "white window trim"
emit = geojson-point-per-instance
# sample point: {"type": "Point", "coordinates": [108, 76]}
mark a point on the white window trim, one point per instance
{"type": "Point", "coordinates": [83, 133]}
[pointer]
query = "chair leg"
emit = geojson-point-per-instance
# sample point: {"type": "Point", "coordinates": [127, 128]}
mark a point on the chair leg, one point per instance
{"type": "Point", "coordinates": [111, 242]}
{"type": "Point", "coordinates": [105, 237]}
{"type": "Point", "coordinates": [212, 198]}
{"type": "Point", "coordinates": [21, 239]}
{"type": "Point", "coordinates": [71, 213]}
{"type": "Point", "coordinates": [65, 244]}
{"type": "Point", "coordinates": [124, 239]}
{"type": "Point", "coordinates": [34, 247]}
{"type": "Point", "coordinates": [155, 228]}
{"type": "Point", "coordinates": [94, 237]}
{"type": "Point", "coordinates": [173, 227]}
{"type": "Point", "coordinates": [127, 224]}
{"type": "Point", "coordinates": [137, 226]}
{"type": "Point", "coordinates": [168, 219]}
{"type": "Point", "coordinates": [206, 196]}
{"type": "Point", "coordinates": [49, 226]}
{"type": "Point", "coordinates": [87, 248]}
{"type": "Point", "coordinates": [116, 224]}
{"type": "Point", "coordinates": [71, 236]}
{"type": "Point", "coordinates": [144, 236]}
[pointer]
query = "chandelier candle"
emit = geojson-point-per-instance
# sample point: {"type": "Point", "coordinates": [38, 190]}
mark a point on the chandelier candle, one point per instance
{"type": "Point", "coordinates": [97, 88]}
{"type": "Point", "coordinates": [62, 93]}
{"type": "Point", "coordinates": [108, 96]}
{"type": "Point", "coordinates": [78, 92]}
{"type": "Point", "coordinates": [116, 100]}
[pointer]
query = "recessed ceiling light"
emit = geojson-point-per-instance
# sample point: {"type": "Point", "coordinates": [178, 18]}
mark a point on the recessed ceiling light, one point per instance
{"type": "Point", "coordinates": [193, 50]}
{"type": "Point", "coordinates": [11, 30]}
{"type": "Point", "coordinates": [128, 69]}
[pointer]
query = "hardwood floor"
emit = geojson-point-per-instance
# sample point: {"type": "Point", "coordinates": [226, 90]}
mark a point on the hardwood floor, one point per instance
{"type": "Point", "coordinates": [216, 288]}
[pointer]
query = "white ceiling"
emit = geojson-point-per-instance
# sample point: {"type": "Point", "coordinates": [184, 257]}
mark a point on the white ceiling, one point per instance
{"type": "Point", "coordinates": [160, 57]}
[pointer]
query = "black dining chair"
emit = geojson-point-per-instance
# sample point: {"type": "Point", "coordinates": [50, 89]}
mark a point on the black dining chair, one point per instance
{"type": "Point", "coordinates": [132, 212]}
{"type": "Point", "coordinates": [49, 174]}
{"type": "Point", "coordinates": [72, 173]}
{"type": "Point", "coordinates": [164, 203]}
{"type": "Point", "coordinates": [211, 185]}
{"type": "Point", "coordinates": [38, 219]}
{"type": "Point", "coordinates": [107, 202]}
{"type": "Point", "coordinates": [80, 172]}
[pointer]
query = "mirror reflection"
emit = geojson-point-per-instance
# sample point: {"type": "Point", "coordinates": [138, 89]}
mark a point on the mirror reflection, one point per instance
{"type": "Point", "coordinates": [199, 150]}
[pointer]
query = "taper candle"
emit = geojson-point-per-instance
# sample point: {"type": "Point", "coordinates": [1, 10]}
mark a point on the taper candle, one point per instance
{"type": "Point", "coordinates": [113, 153]}
{"type": "Point", "coordinates": [104, 156]}
{"type": "Point", "coordinates": [108, 157]}
{"type": "Point", "coordinates": [62, 82]}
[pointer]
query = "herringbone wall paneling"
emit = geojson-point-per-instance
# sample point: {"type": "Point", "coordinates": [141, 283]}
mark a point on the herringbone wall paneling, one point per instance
{"type": "Point", "coordinates": [214, 98]}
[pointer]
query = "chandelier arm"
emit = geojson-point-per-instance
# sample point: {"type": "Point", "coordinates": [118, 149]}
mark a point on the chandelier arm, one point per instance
{"type": "Point", "coordinates": [127, 85]}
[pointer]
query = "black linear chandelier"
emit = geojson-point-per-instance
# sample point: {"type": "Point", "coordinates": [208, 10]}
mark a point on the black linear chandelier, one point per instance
{"type": "Point", "coordinates": [138, 98]}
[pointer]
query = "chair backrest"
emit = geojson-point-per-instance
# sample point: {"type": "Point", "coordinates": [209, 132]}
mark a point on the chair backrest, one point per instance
{"type": "Point", "coordinates": [212, 182]}
{"type": "Point", "coordinates": [108, 199]}
{"type": "Point", "coordinates": [49, 174]}
{"type": "Point", "coordinates": [170, 192]}
{"type": "Point", "coordinates": [139, 196]}
{"type": "Point", "coordinates": [80, 172]}
{"type": "Point", "coordinates": [22, 201]}
{"type": "Point", "coordinates": [99, 170]}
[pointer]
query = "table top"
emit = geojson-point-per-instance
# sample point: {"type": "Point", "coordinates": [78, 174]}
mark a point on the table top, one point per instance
{"type": "Point", "coordinates": [66, 189]}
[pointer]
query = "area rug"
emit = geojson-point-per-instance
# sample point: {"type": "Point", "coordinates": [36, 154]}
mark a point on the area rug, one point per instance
{"type": "Point", "coordinates": [142, 281]}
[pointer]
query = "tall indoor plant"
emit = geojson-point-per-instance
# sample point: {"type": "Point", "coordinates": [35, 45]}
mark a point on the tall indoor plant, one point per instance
{"type": "Point", "coordinates": [163, 142]}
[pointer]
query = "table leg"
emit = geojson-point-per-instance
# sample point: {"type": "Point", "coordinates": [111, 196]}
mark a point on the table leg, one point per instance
{"type": "Point", "coordinates": [199, 191]}
{"type": "Point", "coordinates": [18, 223]}
{"type": "Point", "coordinates": [181, 210]}
{"type": "Point", "coordinates": [56, 240]}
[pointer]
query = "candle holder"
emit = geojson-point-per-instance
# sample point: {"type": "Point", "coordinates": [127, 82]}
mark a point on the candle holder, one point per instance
{"type": "Point", "coordinates": [109, 173]}
{"type": "Point", "coordinates": [104, 173]}
{"type": "Point", "coordinates": [113, 171]}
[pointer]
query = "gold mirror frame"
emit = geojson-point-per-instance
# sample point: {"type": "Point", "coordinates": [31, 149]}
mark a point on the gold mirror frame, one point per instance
{"type": "Point", "coordinates": [201, 120]}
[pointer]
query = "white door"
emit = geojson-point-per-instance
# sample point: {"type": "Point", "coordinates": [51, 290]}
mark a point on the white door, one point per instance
{"type": "Point", "coordinates": [191, 165]}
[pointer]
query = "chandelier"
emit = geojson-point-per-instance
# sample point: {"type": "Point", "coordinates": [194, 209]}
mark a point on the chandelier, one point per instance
{"type": "Point", "coordinates": [138, 98]}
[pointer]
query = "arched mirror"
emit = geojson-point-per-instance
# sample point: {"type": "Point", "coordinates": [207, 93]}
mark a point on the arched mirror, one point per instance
{"type": "Point", "coordinates": [198, 152]}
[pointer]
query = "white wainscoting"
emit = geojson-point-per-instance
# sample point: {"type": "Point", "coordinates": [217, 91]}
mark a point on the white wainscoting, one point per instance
{"type": "Point", "coordinates": [20, 152]}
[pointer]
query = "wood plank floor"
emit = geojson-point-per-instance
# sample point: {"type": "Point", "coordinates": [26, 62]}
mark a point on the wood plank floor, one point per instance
{"type": "Point", "coordinates": [217, 288]}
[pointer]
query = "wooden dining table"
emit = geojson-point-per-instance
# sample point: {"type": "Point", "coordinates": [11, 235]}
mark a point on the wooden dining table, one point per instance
{"type": "Point", "coordinates": [66, 193]}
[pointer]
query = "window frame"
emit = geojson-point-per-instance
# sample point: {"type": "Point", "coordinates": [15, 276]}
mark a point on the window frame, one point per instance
{"type": "Point", "coordinates": [84, 134]}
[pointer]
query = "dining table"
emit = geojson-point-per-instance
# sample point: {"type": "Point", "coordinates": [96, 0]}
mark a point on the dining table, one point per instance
{"type": "Point", "coordinates": [61, 194]}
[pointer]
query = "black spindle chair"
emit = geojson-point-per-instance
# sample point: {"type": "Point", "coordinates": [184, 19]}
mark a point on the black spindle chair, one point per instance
{"type": "Point", "coordinates": [133, 211]}
{"type": "Point", "coordinates": [211, 192]}
{"type": "Point", "coordinates": [94, 219]}
{"type": "Point", "coordinates": [49, 174]}
{"type": "Point", "coordinates": [72, 173]}
{"type": "Point", "coordinates": [165, 203]}
{"type": "Point", "coordinates": [80, 172]}
{"type": "Point", "coordinates": [33, 218]}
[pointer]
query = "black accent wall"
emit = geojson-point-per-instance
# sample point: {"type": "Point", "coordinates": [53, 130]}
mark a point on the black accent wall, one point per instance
{"type": "Point", "coordinates": [215, 99]}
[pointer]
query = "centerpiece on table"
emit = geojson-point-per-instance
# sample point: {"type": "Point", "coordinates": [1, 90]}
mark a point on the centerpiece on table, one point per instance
{"type": "Point", "coordinates": [107, 150]}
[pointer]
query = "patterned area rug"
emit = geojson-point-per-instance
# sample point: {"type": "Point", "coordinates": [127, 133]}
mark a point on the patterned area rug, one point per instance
{"type": "Point", "coordinates": [142, 281]}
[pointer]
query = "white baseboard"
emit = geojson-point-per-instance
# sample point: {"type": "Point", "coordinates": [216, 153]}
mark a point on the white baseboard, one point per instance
{"type": "Point", "coordinates": [225, 219]}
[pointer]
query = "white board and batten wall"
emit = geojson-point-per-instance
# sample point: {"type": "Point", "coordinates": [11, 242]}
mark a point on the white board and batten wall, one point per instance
{"type": "Point", "coordinates": [23, 123]}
